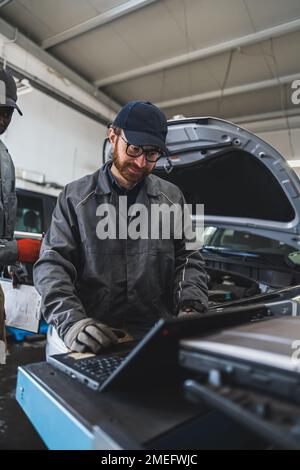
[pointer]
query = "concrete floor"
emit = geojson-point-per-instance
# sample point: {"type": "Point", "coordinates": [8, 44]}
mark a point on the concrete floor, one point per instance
{"type": "Point", "coordinates": [16, 431]}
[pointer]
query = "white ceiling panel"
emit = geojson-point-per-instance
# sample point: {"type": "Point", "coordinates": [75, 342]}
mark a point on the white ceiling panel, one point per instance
{"type": "Point", "coordinates": [266, 12]}
{"type": "Point", "coordinates": [248, 65]}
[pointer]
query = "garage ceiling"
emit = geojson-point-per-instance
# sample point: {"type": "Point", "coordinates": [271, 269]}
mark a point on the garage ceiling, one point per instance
{"type": "Point", "coordinates": [194, 57]}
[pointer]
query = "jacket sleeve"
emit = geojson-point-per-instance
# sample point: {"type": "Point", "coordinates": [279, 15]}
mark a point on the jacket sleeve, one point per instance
{"type": "Point", "coordinates": [190, 281]}
{"type": "Point", "coordinates": [8, 246]}
{"type": "Point", "coordinates": [56, 271]}
{"type": "Point", "coordinates": [8, 252]}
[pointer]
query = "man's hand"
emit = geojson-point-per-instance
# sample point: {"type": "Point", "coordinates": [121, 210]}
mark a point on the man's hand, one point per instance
{"type": "Point", "coordinates": [89, 335]}
{"type": "Point", "coordinates": [188, 312]}
{"type": "Point", "coordinates": [28, 250]}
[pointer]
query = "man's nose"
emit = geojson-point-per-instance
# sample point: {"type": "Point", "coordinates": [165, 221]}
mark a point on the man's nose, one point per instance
{"type": "Point", "coordinates": [141, 161]}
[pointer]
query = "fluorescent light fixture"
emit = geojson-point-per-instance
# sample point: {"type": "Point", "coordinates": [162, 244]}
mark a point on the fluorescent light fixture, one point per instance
{"type": "Point", "coordinates": [294, 163]}
{"type": "Point", "coordinates": [23, 87]}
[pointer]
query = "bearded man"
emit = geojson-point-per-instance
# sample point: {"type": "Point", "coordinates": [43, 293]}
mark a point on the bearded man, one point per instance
{"type": "Point", "coordinates": [92, 285]}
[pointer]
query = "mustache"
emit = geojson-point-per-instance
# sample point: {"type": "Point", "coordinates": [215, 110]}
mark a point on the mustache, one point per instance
{"type": "Point", "coordinates": [123, 166]}
{"type": "Point", "coordinates": [130, 165]}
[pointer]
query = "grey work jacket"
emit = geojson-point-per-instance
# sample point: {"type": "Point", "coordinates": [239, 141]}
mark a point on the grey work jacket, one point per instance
{"type": "Point", "coordinates": [8, 208]}
{"type": "Point", "coordinates": [122, 283]}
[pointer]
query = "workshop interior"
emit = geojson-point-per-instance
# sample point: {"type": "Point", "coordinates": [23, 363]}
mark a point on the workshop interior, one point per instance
{"type": "Point", "coordinates": [149, 227]}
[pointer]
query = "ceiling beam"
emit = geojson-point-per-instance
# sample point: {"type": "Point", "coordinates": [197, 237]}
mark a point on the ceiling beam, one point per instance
{"type": "Point", "coordinates": [204, 53]}
{"type": "Point", "coordinates": [32, 48]}
{"type": "Point", "coordinates": [211, 95]}
{"type": "Point", "coordinates": [280, 120]}
{"type": "Point", "coordinates": [4, 2]}
{"type": "Point", "coordinates": [96, 22]}
{"type": "Point", "coordinates": [254, 118]}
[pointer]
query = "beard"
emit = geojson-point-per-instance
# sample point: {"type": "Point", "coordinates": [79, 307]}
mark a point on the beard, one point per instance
{"type": "Point", "coordinates": [3, 128]}
{"type": "Point", "coordinates": [123, 168]}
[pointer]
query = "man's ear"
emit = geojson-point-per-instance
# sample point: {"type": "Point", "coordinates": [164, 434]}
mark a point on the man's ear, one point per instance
{"type": "Point", "coordinates": [112, 136]}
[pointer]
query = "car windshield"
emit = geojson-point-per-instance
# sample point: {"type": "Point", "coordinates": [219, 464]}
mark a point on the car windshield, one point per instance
{"type": "Point", "coordinates": [239, 241]}
{"type": "Point", "coordinates": [29, 214]}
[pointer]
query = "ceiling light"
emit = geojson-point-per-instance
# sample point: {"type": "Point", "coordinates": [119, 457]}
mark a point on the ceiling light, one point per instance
{"type": "Point", "coordinates": [23, 87]}
{"type": "Point", "coordinates": [294, 163]}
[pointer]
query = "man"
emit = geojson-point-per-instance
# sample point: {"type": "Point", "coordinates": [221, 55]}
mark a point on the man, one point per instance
{"type": "Point", "coordinates": [91, 285]}
{"type": "Point", "coordinates": [25, 250]}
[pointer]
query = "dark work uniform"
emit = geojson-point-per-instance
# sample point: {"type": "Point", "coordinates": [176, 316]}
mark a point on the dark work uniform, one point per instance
{"type": "Point", "coordinates": [126, 283]}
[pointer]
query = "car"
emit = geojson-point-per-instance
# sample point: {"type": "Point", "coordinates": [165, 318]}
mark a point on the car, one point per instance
{"type": "Point", "coordinates": [252, 209]}
{"type": "Point", "coordinates": [35, 205]}
{"type": "Point", "coordinates": [34, 208]}
{"type": "Point", "coordinates": [251, 202]}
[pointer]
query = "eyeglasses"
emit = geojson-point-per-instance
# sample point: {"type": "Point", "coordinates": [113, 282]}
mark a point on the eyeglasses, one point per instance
{"type": "Point", "coordinates": [134, 151]}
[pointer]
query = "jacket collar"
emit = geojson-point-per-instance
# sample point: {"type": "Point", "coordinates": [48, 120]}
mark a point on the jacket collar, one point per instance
{"type": "Point", "coordinates": [104, 186]}
{"type": "Point", "coordinates": [103, 183]}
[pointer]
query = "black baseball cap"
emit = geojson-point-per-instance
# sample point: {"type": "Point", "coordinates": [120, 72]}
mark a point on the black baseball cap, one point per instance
{"type": "Point", "coordinates": [8, 92]}
{"type": "Point", "coordinates": [143, 123]}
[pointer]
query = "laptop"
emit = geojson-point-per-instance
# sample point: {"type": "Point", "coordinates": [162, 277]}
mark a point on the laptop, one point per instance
{"type": "Point", "coordinates": [153, 359]}
{"type": "Point", "coordinates": [263, 355]}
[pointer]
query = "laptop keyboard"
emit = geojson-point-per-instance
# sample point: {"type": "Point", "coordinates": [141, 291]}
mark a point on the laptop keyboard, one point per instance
{"type": "Point", "coordinates": [99, 368]}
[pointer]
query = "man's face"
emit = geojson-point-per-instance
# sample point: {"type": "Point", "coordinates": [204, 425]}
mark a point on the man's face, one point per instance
{"type": "Point", "coordinates": [6, 113]}
{"type": "Point", "coordinates": [130, 168]}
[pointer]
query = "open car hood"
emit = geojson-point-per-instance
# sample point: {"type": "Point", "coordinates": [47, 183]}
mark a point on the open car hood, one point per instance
{"type": "Point", "coordinates": [242, 181]}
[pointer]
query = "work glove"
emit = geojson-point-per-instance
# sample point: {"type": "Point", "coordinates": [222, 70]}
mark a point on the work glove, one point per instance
{"type": "Point", "coordinates": [189, 312]}
{"type": "Point", "coordinates": [89, 335]}
{"type": "Point", "coordinates": [28, 250]}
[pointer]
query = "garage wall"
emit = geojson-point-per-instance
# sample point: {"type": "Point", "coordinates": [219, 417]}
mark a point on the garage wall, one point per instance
{"type": "Point", "coordinates": [53, 139]}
